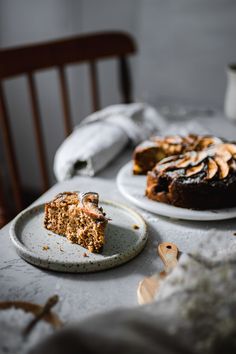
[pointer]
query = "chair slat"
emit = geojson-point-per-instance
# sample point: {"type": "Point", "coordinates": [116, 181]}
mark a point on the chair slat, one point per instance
{"type": "Point", "coordinates": [94, 85]}
{"type": "Point", "coordinates": [78, 49]}
{"type": "Point", "coordinates": [4, 212]}
{"type": "Point", "coordinates": [65, 101]}
{"type": "Point", "coordinates": [10, 153]}
{"type": "Point", "coordinates": [38, 131]}
{"type": "Point", "coordinates": [57, 54]}
{"type": "Point", "coordinates": [125, 80]}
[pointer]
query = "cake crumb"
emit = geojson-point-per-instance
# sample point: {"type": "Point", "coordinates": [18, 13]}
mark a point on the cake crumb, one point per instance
{"type": "Point", "coordinates": [85, 254]}
{"type": "Point", "coordinates": [45, 248]}
{"type": "Point", "coordinates": [61, 249]}
{"type": "Point", "coordinates": [135, 227]}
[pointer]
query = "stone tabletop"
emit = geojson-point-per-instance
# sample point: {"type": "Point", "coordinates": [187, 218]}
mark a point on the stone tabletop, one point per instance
{"type": "Point", "coordinates": [84, 294]}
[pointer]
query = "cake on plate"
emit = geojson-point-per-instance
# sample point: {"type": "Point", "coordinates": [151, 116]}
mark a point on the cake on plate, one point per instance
{"type": "Point", "coordinates": [150, 152]}
{"type": "Point", "coordinates": [197, 179]}
{"type": "Point", "coordinates": [78, 217]}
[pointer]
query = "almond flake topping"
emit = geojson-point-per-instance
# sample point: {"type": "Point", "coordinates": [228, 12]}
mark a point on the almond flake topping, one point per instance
{"type": "Point", "coordinates": [212, 168]}
{"type": "Point", "coordinates": [194, 170]}
{"type": "Point", "coordinates": [223, 167]}
{"type": "Point", "coordinates": [231, 148]}
{"type": "Point", "coordinates": [217, 159]}
{"type": "Point", "coordinates": [187, 159]}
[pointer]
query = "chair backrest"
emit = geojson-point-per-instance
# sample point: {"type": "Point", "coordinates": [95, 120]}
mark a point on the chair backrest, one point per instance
{"type": "Point", "coordinates": [26, 60]}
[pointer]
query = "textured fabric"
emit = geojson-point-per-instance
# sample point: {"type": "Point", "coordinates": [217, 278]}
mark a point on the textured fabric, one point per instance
{"type": "Point", "coordinates": [194, 312]}
{"type": "Point", "coordinates": [120, 332]}
{"type": "Point", "coordinates": [102, 135]}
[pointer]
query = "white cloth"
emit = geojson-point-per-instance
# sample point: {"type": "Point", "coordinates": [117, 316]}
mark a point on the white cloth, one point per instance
{"type": "Point", "coordinates": [194, 312]}
{"type": "Point", "coordinates": [102, 135]}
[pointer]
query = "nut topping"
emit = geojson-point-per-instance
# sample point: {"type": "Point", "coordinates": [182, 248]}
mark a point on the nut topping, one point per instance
{"type": "Point", "coordinates": [212, 168]}
{"type": "Point", "coordinates": [186, 160]}
{"type": "Point", "coordinates": [231, 148]}
{"type": "Point", "coordinates": [224, 152]}
{"type": "Point", "coordinates": [89, 201]}
{"type": "Point", "coordinates": [174, 139]}
{"type": "Point", "coordinates": [223, 167]}
{"type": "Point", "coordinates": [89, 197]}
{"type": "Point", "coordinates": [207, 141]}
{"type": "Point", "coordinates": [194, 170]}
{"type": "Point", "coordinates": [217, 159]}
{"type": "Point", "coordinates": [200, 157]}
{"type": "Point", "coordinates": [168, 159]}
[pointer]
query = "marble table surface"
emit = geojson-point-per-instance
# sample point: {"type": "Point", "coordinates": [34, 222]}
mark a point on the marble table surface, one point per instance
{"type": "Point", "coordinates": [82, 295]}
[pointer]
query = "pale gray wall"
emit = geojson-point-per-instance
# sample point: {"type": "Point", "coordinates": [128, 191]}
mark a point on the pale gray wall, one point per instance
{"type": "Point", "coordinates": [25, 21]}
{"type": "Point", "coordinates": [184, 47]}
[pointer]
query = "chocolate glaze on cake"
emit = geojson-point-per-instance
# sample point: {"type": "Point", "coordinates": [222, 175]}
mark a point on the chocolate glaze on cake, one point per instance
{"type": "Point", "coordinates": [196, 179]}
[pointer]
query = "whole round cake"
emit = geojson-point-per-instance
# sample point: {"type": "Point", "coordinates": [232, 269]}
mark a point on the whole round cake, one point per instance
{"type": "Point", "coordinates": [197, 179]}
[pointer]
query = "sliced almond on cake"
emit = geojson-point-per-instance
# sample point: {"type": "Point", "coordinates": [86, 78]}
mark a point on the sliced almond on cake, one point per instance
{"type": "Point", "coordinates": [212, 168]}
{"type": "Point", "coordinates": [174, 139]}
{"type": "Point", "coordinates": [194, 170]}
{"type": "Point", "coordinates": [207, 141]}
{"type": "Point", "coordinates": [89, 202]}
{"type": "Point", "coordinates": [164, 166]}
{"type": "Point", "coordinates": [174, 149]}
{"type": "Point", "coordinates": [168, 159]}
{"type": "Point", "coordinates": [231, 148]}
{"type": "Point", "coordinates": [186, 160]}
{"type": "Point", "coordinates": [224, 153]}
{"type": "Point", "coordinates": [200, 157]}
{"type": "Point", "coordinates": [166, 163]}
{"type": "Point", "coordinates": [223, 167]}
{"type": "Point", "coordinates": [191, 138]}
{"type": "Point", "coordinates": [192, 158]}
{"type": "Point", "coordinates": [183, 163]}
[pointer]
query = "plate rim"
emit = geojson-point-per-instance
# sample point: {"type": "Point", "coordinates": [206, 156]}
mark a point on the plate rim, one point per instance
{"type": "Point", "coordinates": [43, 261]}
{"type": "Point", "coordinates": [193, 215]}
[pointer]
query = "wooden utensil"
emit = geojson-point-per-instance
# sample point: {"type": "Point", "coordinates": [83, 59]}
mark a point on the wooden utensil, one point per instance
{"type": "Point", "coordinates": [149, 286]}
{"type": "Point", "coordinates": [52, 301]}
{"type": "Point", "coordinates": [35, 309]}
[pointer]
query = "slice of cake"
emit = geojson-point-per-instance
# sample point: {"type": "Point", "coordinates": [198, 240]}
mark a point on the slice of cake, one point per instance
{"type": "Point", "coordinates": [78, 217]}
{"type": "Point", "coordinates": [149, 153]}
{"type": "Point", "coordinates": [196, 179]}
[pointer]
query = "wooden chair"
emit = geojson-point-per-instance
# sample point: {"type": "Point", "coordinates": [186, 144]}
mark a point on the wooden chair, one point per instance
{"type": "Point", "coordinates": [26, 60]}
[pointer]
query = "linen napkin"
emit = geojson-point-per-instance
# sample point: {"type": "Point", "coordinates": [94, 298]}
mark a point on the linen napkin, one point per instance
{"type": "Point", "coordinates": [194, 312]}
{"type": "Point", "coordinates": [102, 136]}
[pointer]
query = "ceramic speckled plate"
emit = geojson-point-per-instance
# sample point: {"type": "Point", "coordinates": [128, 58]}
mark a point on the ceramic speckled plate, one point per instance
{"type": "Point", "coordinates": [133, 188]}
{"type": "Point", "coordinates": [45, 249]}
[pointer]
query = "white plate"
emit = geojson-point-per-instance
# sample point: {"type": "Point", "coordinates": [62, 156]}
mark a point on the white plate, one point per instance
{"type": "Point", "coordinates": [123, 242]}
{"type": "Point", "coordinates": [133, 188]}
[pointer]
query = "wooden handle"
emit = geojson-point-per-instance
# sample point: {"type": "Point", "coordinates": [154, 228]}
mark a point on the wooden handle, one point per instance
{"type": "Point", "coordinates": [52, 301]}
{"type": "Point", "coordinates": [168, 253]}
{"type": "Point", "coordinates": [148, 288]}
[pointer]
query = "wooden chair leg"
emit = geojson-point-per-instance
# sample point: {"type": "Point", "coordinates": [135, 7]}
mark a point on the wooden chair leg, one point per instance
{"type": "Point", "coordinates": [125, 81]}
{"type": "Point", "coordinates": [10, 152]}
{"type": "Point", "coordinates": [4, 212]}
